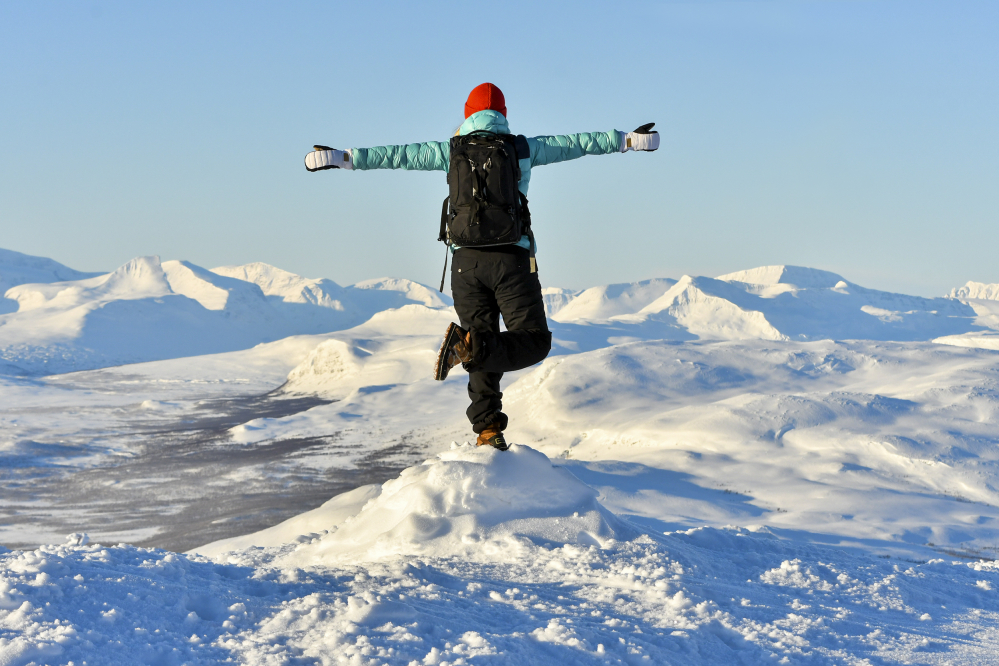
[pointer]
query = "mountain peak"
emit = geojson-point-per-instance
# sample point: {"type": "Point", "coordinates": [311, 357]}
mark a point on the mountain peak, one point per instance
{"type": "Point", "coordinates": [798, 276]}
{"type": "Point", "coordinates": [977, 290]}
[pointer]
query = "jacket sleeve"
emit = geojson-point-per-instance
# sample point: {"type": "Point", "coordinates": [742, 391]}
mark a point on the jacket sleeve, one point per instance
{"type": "Point", "coordinates": [427, 156]}
{"type": "Point", "coordinates": [562, 147]}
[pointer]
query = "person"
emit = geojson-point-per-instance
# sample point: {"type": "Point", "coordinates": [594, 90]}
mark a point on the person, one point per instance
{"type": "Point", "coordinates": [493, 273]}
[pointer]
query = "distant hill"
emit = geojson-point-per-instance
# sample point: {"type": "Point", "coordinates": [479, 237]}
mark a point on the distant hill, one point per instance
{"type": "Point", "coordinates": [150, 310]}
{"type": "Point", "coordinates": [17, 269]}
{"type": "Point", "coordinates": [59, 320]}
{"type": "Point", "coordinates": [977, 290]}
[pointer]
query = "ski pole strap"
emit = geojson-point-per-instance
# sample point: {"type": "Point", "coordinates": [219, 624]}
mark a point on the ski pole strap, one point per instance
{"type": "Point", "coordinates": [447, 251]}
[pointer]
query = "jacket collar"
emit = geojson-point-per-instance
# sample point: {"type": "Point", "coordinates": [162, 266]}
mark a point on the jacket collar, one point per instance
{"type": "Point", "coordinates": [488, 120]}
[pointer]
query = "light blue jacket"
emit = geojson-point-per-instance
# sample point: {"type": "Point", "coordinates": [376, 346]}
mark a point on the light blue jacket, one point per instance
{"type": "Point", "coordinates": [436, 155]}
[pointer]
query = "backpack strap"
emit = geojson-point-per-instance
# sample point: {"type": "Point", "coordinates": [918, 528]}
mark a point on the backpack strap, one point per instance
{"type": "Point", "coordinates": [447, 252]}
{"type": "Point", "coordinates": [525, 212]}
{"type": "Point", "coordinates": [442, 236]}
{"type": "Point", "coordinates": [523, 148]}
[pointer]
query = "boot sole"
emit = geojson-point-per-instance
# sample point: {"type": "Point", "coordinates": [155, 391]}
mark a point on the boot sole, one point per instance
{"type": "Point", "coordinates": [440, 368]}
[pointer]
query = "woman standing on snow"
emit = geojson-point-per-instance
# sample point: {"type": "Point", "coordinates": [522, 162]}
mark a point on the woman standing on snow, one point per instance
{"type": "Point", "coordinates": [487, 224]}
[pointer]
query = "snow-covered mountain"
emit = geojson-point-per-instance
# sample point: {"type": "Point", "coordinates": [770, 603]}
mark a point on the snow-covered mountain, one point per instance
{"type": "Point", "coordinates": [354, 303]}
{"type": "Point", "coordinates": [977, 290]}
{"type": "Point", "coordinates": [148, 310]}
{"type": "Point", "coordinates": [767, 303]}
{"type": "Point", "coordinates": [556, 298]}
{"type": "Point", "coordinates": [608, 301]}
{"type": "Point", "coordinates": [17, 268]}
{"type": "Point", "coordinates": [60, 320]}
{"type": "Point", "coordinates": [773, 303]}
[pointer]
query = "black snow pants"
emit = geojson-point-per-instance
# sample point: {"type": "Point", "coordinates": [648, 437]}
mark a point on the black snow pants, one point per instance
{"type": "Point", "coordinates": [487, 283]}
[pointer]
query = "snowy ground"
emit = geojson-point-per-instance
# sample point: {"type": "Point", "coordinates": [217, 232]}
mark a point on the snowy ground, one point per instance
{"type": "Point", "coordinates": [444, 571]}
{"type": "Point", "coordinates": [774, 465]}
{"type": "Point", "coordinates": [142, 453]}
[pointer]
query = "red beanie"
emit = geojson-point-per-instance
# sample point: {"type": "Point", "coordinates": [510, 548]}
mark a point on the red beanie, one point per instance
{"type": "Point", "coordinates": [485, 96]}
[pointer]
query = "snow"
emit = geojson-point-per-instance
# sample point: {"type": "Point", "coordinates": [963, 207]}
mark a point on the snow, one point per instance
{"type": "Point", "coordinates": [301, 528]}
{"type": "Point", "coordinates": [17, 269]}
{"type": "Point", "coordinates": [556, 298]}
{"type": "Point", "coordinates": [149, 310]}
{"type": "Point", "coordinates": [473, 503]}
{"type": "Point", "coordinates": [776, 465]}
{"type": "Point", "coordinates": [819, 438]}
{"type": "Point", "coordinates": [703, 595]}
{"type": "Point", "coordinates": [726, 308]}
{"type": "Point", "coordinates": [605, 302]}
{"type": "Point", "coordinates": [288, 287]}
{"type": "Point", "coordinates": [976, 290]}
{"type": "Point", "coordinates": [794, 275]}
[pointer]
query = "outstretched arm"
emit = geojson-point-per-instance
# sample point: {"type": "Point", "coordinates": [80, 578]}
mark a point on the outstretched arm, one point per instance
{"type": "Point", "coordinates": [427, 156]}
{"type": "Point", "coordinates": [552, 149]}
{"type": "Point", "coordinates": [563, 147]}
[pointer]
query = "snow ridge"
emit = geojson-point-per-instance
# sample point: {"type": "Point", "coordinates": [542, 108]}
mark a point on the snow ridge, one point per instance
{"type": "Point", "coordinates": [976, 290]}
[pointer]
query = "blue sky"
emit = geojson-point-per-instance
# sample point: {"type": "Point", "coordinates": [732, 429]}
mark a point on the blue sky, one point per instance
{"type": "Point", "coordinates": [854, 136]}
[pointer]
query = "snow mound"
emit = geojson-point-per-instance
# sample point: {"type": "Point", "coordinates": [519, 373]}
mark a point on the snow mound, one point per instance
{"type": "Point", "coordinates": [325, 369]}
{"type": "Point", "coordinates": [977, 290]}
{"type": "Point", "coordinates": [799, 276]}
{"type": "Point", "coordinates": [476, 503]}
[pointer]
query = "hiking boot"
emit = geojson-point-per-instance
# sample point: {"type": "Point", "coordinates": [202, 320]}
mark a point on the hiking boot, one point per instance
{"type": "Point", "coordinates": [492, 436]}
{"type": "Point", "coordinates": [456, 348]}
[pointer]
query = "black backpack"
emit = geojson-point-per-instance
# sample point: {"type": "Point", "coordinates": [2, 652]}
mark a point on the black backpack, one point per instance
{"type": "Point", "coordinates": [484, 206]}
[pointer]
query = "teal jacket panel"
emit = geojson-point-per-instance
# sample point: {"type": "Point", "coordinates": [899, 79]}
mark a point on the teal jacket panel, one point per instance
{"type": "Point", "coordinates": [426, 156]}
{"type": "Point", "coordinates": [552, 149]}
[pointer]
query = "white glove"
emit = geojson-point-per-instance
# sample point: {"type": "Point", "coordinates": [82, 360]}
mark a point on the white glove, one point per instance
{"type": "Point", "coordinates": [324, 157]}
{"type": "Point", "coordinates": [642, 138]}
